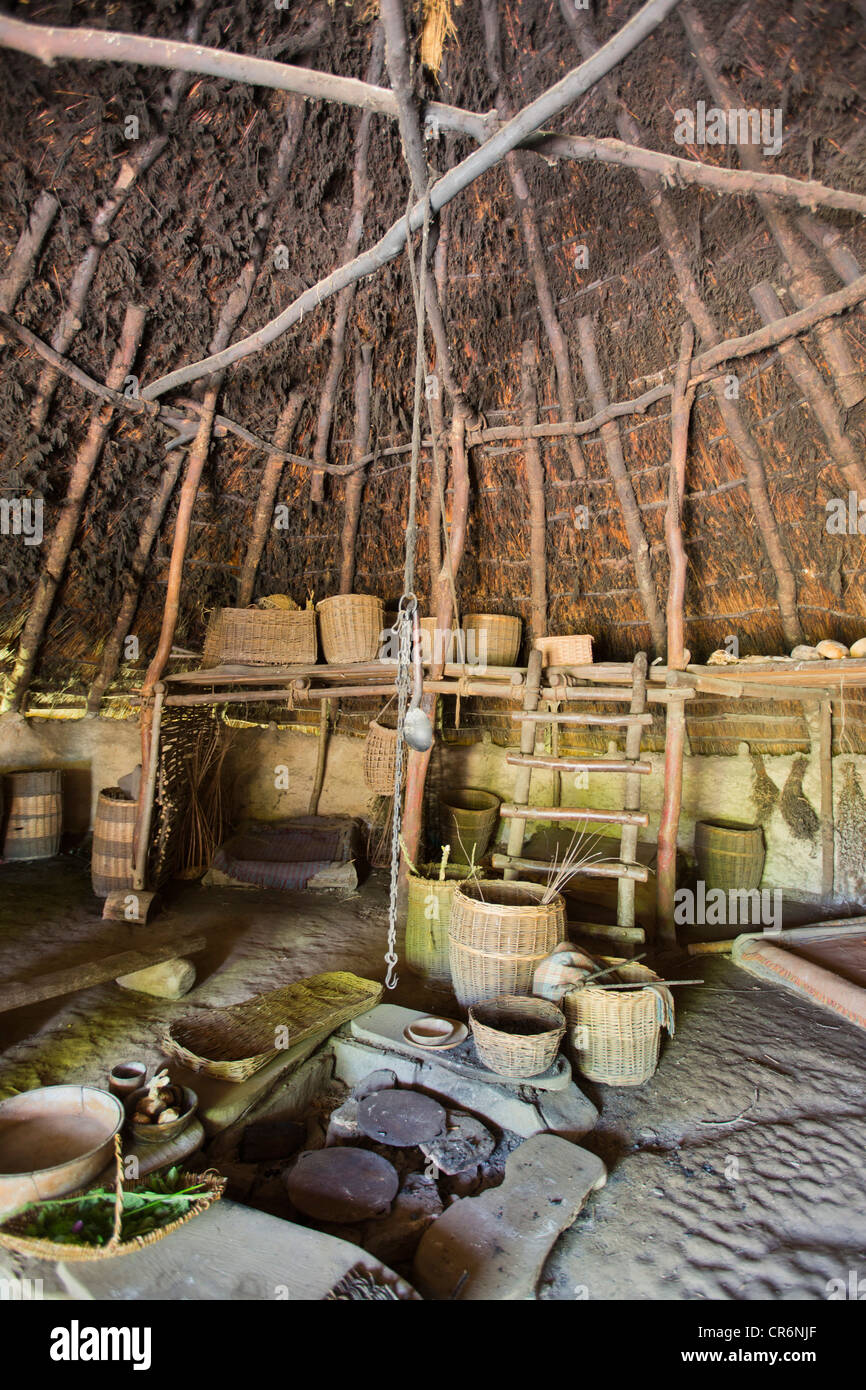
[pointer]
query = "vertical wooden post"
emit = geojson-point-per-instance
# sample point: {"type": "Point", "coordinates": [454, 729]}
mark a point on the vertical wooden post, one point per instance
{"type": "Point", "coordinates": [819, 719]}
{"type": "Point", "coordinates": [268, 489]}
{"type": "Point", "coordinates": [625, 889]}
{"type": "Point", "coordinates": [535, 488]}
{"type": "Point", "coordinates": [321, 757]}
{"type": "Point", "coordinates": [355, 481]}
{"type": "Point", "coordinates": [523, 775]}
{"type": "Point", "coordinates": [675, 719]}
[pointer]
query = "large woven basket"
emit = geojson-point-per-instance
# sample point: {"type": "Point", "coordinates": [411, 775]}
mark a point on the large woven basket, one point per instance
{"type": "Point", "coordinates": [515, 1035]}
{"type": "Point", "coordinates": [113, 841]}
{"type": "Point", "coordinates": [575, 650]}
{"type": "Point", "coordinates": [34, 815]}
{"type": "Point", "coordinates": [729, 855]}
{"type": "Point", "coordinates": [428, 916]}
{"type": "Point", "coordinates": [380, 759]}
{"type": "Point", "coordinates": [214, 1185]}
{"type": "Point", "coordinates": [261, 637]}
{"type": "Point", "coordinates": [351, 626]}
{"type": "Point", "coordinates": [497, 642]}
{"type": "Point", "coordinates": [468, 818]}
{"type": "Point", "coordinates": [615, 1037]}
{"type": "Point", "coordinates": [498, 934]}
{"type": "Point", "coordinates": [232, 1044]}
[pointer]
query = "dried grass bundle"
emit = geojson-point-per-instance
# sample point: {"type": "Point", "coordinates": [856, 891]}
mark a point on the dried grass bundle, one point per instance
{"type": "Point", "coordinates": [203, 821]}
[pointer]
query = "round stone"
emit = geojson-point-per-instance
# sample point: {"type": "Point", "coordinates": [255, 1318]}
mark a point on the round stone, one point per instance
{"type": "Point", "coordinates": [342, 1184]}
{"type": "Point", "coordinates": [401, 1118]}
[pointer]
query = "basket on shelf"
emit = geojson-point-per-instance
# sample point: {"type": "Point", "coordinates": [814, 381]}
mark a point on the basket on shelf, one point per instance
{"type": "Point", "coordinates": [615, 1037]}
{"type": "Point", "coordinates": [113, 842]}
{"type": "Point", "coordinates": [261, 637]}
{"type": "Point", "coordinates": [468, 818]}
{"type": "Point", "coordinates": [574, 650]}
{"type": "Point", "coordinates": [515, 1035]}
{"type": "Point", "coordinates": [380, 758]}
{"type": "Point", "coordinates": [499, 932]}
{"type": "Point", "coordinates": [351, 626]}
{"type": "Point", "coordinates": [11, 1237]}
{"type": "Point", "coordinates": [34, 814]}
{"type": "Point", "coordinates": [428, 916]}
{"type": "Point", "coordinates": [234, 1043]}
{"type": "Point", "coordinates": [498, 638]}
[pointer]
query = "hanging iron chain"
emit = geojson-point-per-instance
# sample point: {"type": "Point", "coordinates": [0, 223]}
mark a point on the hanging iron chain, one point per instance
{"type": "Point", "coordinates": [403, 632]}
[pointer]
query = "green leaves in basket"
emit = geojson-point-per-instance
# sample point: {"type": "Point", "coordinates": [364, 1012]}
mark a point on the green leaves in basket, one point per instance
{"type": "Point", "coordinates": [89, 1218]}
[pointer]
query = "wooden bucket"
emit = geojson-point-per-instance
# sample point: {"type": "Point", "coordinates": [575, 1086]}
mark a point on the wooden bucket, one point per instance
{"type": "Point", "coordinates": [113, 840]}
{"type": "Point", "coordinates": [35, 815]}
{"type": "Point", "coordinates": [499, 932]}
{"type": "Point", "coordinates": [468, 819]}
{"type": "Point", "coordinates": [729, 855]}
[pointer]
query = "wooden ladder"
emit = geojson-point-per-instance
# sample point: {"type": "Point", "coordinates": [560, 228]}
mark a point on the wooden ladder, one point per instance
{"type": "Point", "coordinates": [631, 819]}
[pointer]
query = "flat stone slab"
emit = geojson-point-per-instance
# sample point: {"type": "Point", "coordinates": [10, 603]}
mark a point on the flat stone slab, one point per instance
{"type": "Point", "coordinates": [403, 1118]}
{"type": "Point", "coordinates": [342, 1184]}
{"type": "Point", "coordinates": [230, 1253]}
{"type": "Point", "coordinates": [493, 1247]}
{"type": "Point", "coordinates": [383, 1027]}
{"type": "Point", "coordinates": [465, 1144]}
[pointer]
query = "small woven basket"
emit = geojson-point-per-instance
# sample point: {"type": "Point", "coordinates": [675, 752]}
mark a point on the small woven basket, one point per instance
{"type": "Point", "coordinates": [351, 626]}
{"type": "Point", "coordinates": [12, 1239]}
{"type": "Point", "coordinates": [498, 1029]}
{"type": "Point", "coordinates": [500, 632]}
{"type": "Point", "coordinates": [615, 1037]}
{"type": "Point", "coordinates": [575, 650]}
{"type": "Point", "coordinates": [261, 637]}
{"type": "Point", "coordinates": [499, 932]}
{"type": "Point", "coordinates": [380, 759]}
{"type": "Point", "coordinates": [428, 916]}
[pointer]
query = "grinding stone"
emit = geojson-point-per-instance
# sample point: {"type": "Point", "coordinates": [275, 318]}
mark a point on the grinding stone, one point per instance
{"type": "Point", "coordinates": [342, 1184]}
{"type": "Point", "coordinates": [401, 1118]}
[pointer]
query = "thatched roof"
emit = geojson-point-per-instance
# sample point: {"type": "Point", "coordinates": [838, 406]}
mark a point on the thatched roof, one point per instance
{"type": "Point", "coordinates": [181, 239]}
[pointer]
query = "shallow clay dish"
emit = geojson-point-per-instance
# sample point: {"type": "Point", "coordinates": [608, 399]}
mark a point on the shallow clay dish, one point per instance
{"type": "Point", "coordinates": [436, 1032]}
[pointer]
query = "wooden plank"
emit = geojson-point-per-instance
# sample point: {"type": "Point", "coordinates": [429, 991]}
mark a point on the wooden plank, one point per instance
{"type": "Point", "coordinates": [606, 721]}
{"type": "Point", "coordinates": [14, 994]}
{"type": "Point", "coordinates": [511, 811]}
{"type": "Point", "coordinates": [580, 764]}
{"type": "Point", "coordinates": [639, 873]}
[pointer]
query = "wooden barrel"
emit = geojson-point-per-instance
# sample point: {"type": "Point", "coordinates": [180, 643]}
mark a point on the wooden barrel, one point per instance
{"type": "Point", "coordinates": [498, 934]}
{"type": "Point", "coordinates": [729, 855]}
{"type": "Point", "coordinates": [35, 815]}
{"type": "Point", "coordinates": [113, 837]}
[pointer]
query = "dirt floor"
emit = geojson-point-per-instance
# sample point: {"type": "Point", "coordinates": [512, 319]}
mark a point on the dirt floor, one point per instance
{"type": "Point", "coordinates": [735, 1173]}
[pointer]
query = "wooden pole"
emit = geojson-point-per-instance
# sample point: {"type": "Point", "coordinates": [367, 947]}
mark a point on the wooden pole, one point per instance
{"type": "Point", "coordinates": [535, 488]}
{"type": "Point", "coordinates": [675, 721]}
{"type": "Point", "coordinates": [23, 258]}
{"type": "Point", "coordinates": [321, 758]}
{"type": "Point", "coordinates": [640, 552]}
{"type": "Point", "coordinates": [86, 459]}
{"type": "Point", "coordinates": [268, 488]}
{"type": "Point", "coordinates": [523, 776]}
{"type": "Point", "coordinates": [355, 482]}
{"type": "Point", "coordinates": [144, 815]}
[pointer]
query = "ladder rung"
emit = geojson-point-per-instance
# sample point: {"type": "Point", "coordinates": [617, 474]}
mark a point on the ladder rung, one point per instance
{"type": "Point", "coordinates": [635, 935]}
{"type": "Point", "coordinates": [638, 873]}
{"type": "Point", "coordinates": [579, 764]}
{"type": "Point", "coordinates": [605, 720]}
{"type": "Point", "coordinates": [573, 813]}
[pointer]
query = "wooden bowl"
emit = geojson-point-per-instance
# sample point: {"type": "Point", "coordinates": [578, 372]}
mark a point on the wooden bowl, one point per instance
{"type": "Point", "coordinates": [156, 1134]}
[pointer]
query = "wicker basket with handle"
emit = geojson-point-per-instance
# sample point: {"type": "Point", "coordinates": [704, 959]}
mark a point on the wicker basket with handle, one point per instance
{"type": "Point", "coordinates": [380, 758]}
{"type": "Point", "coordinates": [497, 642]}
{"type": "Point", "coordinates": [614, 1036]}
{"type": "Point", "coordinates": [515, 1035]}
{"type": "Point", "coordinates": [12, 1237]}
{"type": "Point", "coordinates": [351, 626]}
{"type": "Point", "coordinates": [498, 934]}
{"type": "Point", "coordinates": [575, 650]}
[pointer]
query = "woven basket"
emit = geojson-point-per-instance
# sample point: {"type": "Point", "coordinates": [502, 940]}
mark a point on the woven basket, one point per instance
{"type": "Point", "coordinates": [498, 934]}
{"type": "Point", "coordinates": [615, 1038]}
{"type": "Point", "coordinates": [728, 855]}
{"type": "Point", "coordinates": [351, 626]}
{"type": "Point", "coordinates": [34, 816]}
{"type": "Point", "coordinates": [380, 759]}
{"type": "Point", "coordinates": [565, 651]}
{"type": "Point", "coordinates": [468, 818]}
{"type": "Point", "coordinates": [11, 1239]}
{"type": "Point", "coordinates": [113, 842]}
{"type": "Point", "coordinates": [428, 916]}
{"type": "Point", "coordinates": [502, 1046]}
{"type": "Point", "coordinates": [261, 637]}
{"type": "Point", "coordinates": [501, 634]}
{"type": "Point", "coordinates": [233, 1044]}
